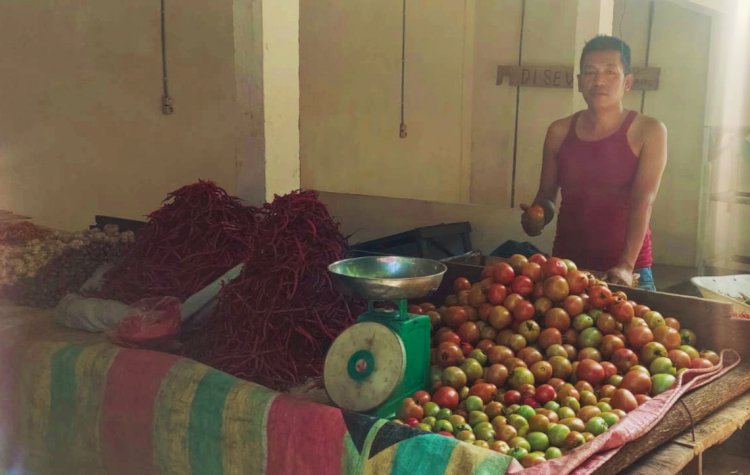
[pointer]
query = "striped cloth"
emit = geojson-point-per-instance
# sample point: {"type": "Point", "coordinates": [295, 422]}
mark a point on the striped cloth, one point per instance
{"type": "Point", "coordinates": [72, 403]}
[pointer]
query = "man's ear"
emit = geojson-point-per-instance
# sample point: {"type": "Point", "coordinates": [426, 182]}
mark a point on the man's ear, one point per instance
{"type": "Point", "coordinates": [629, 81]}
{"type": "Point", "coordinates": [578, 77]}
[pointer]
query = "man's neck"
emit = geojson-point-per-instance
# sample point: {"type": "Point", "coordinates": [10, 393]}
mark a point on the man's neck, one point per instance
{"type": "Point", "coordinates": [604, 119]}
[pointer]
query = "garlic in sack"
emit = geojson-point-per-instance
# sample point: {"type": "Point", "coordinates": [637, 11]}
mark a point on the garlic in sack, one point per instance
{"type": "Point", "coordinates": [40, 272]}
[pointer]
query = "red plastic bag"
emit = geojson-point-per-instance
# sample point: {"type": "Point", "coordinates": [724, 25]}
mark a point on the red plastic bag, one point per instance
{"type": "Point", "coordinates": [151, 323]}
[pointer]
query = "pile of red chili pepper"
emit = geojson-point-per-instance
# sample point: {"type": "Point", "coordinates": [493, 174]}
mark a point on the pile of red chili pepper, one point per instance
{"type": "Point", "coordinates": [275, 321]}
{"type": "Point", "coordinates": [15, 233]}
{"type": "Point", "coordinates": [199, 233]}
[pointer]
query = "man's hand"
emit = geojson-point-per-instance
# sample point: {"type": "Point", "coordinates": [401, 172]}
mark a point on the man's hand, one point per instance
{"type": "Point", "coordinates": [620, 274]}
{"type": "Point", "coordinates": [532, 219]}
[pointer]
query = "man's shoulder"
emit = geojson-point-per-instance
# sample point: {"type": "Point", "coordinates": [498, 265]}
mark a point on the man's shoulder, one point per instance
{"type": "Point", "coordinates": [560, 127]}
{"type": "Point", "coordinates": [648, 125]}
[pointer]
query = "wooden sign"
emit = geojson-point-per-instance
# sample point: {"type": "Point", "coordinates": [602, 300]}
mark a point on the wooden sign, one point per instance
{"type": "Point", "coordinates": [646, 79]}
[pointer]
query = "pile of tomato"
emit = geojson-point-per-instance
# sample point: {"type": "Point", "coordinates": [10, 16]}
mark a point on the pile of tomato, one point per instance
{"type": "Point", "coordinates": [540, 357]}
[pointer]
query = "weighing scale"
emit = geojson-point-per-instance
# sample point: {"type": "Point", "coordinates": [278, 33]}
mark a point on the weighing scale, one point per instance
{"type": "Point", "coordinates": [384, 357]}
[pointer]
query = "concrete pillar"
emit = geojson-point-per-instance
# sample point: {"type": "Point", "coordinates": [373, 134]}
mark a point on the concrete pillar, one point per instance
{"type": "Point", "coordinates": [266, 49]}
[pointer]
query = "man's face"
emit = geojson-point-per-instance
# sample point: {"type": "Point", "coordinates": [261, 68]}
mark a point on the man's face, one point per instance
{"type": "Point", "coordinates": [603, 81]}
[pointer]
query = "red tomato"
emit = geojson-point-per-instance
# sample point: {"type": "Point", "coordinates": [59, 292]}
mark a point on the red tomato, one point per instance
{"type": "Point", "coordinates": [554, 266]}
{"type": "Point", "coordinates": [591, 371]}
{"type": "Point", "coordinates": [496, 293]}
{"type": "Point", "coordinates": [700, 363]}
{"type": "Point", "coordinates": [511, 397]}
{"type": "Point", "coordinates": [532, 270]}
{"type": "Point", "coordinates": [446, 396]}
{"type": "Point", "coordinates": [549, 336]}
{"type": "Point", "coordinates": [522, 285]}
{"type": "Point", "coordinates": [577, 281]}
{"type": "Point", "coordinates": [545, 393]}
{"type": "Point", "coordinates": [523, 310]}
{"type": "Point", "coordinates": [639, 336]}
{"type": "Point", "coordinates": [573, 304]}
{"type": "Point", "coordinates": [511, 301]}
{"type": "Point", "coordinates": [538, 258]}
{"type": "Point", "coordinates": [637, 382]}
{"type": "Point", "coordinates": [455, 316]}
{"type": "Point", "coordinates": [469, 332]}
{"type": "Point", "coordinates": [622, 310]}
{"type": "Point", "coordinates": [421, 397]}
{"type": "Point", "coordinates": [485, 391]}
{"type": "Point", "coordinates": [600, 296]}
{"type": "Point", "coordinates": [557, 318]}
{"type": "Point", "coordinates": [556, 288]}
{"type": "Point", "coordinates": [446, 334]}
{"type": "Point", "coordinates": [449, 354]}
{"type": "Point", "coordinates": [503, 273]}
{"type": "Point", "coordinates": [623, 399]}
{"type": "Point", "coordinates": [668, 336]}
{"type": "Point", "coordinates": [609, 369]}
{"type": "Point", "coordinates": [461, 283]}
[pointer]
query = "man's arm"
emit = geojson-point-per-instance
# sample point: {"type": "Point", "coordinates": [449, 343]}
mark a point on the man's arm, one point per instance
{"type": "Point", "coordinates": [546, 196]}
{"type": "Point", "coordinates": [651, 163]}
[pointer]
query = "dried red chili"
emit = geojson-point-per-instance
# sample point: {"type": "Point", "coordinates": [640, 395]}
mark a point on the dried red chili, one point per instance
{"type": "Point", "coordinates": [276, 320]}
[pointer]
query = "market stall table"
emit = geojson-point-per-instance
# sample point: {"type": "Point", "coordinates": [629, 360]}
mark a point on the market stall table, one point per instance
{"type": "Point", "coordinates": [722, 398]}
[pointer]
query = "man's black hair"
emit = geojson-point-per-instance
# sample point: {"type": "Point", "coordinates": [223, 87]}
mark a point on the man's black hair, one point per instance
{"type": "Point", "coordinates": [608, 43]}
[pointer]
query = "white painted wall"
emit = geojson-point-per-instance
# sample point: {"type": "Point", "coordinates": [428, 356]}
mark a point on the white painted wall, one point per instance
{"type": "Point", "coordinates": [81, 129]}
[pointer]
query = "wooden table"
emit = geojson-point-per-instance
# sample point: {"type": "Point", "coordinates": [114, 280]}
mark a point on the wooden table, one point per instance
{"type": "Point", "coordinates": [713, 412]}
{"type": "Point", "coordinates": [716, 410]}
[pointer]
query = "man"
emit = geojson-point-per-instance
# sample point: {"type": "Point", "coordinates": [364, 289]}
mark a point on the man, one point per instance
{"type": "Point", "coordinates": [607, 163]}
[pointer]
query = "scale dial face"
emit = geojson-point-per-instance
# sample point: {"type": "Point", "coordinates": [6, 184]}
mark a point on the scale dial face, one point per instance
{"type": "Point", "coordinates": [364, 366]}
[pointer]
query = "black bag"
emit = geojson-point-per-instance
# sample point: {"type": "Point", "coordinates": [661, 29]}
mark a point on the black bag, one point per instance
{"type": "Point", "coordinates": [508, 248]}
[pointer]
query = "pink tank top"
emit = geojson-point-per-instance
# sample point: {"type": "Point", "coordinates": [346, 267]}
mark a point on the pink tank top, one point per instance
{"type": "Point", "coordinates": [595, 179]}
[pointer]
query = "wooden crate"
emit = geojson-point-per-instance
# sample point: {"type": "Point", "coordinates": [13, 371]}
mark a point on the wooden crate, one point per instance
{"type": "Point", "coordinates": [710, 319]}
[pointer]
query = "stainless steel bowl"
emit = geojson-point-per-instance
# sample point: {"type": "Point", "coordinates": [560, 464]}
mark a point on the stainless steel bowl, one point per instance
{"type": "Point", "coordinates": [389, 277]}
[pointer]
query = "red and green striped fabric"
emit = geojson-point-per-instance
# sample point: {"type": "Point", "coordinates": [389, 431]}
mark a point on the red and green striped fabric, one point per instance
{"type": "Point", "coordinates": [77, 404]}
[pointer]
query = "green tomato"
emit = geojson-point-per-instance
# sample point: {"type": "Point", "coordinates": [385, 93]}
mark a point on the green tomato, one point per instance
{"type": "Point", "coordinates": [486, 433]}
{"type": "Point", "coordinates": [466, 436]}
{"type": "Point", "coordinates": [519, 441]}
{"type": "Point", "coordinates": [662, 365]}
{"type": "Point", "coordinates": [610, 418]}
{"type": "Point", "coordinates": [661, 382]}
{"type": "Point", "coordinates": [590, 336]}
{"type": "Point", "coordinates": [519, 423]}
{"type": "Point", "coordinates": [538, 440]}
{"type": "Point", "coordinates": [443, 425]}
{"type": "Point", "coordinates": [565, 412]}
{"type": "Point", "coordinates": [474, 403]}
{"type": "Point", "coordinates": [572, 403]}
{"type": "Point", "coordinates": [552, 453]}
{"type": "Point", "coordinates": [526, 411]}
{"type": "Point", "coordinates": [557, 434]}
{"type": "Point", "coordinates": [424, 427]}
{"type": "Point", "coordinates": [596, 425]}
{"type": "Point", "coordinates": [444, 413]}
{"type": "Point", "coordinates": [475, 417]}
{"type": "Point", "coordinates": [583, 321]}
{"type": "Point", "coordinates": [431, 409]}
{"type": "Point", "coordinates": [430, 421]}
{"type": "Point", "coordinates": [552, 406]}
{"type": "Point", "coordinates": [478, 355]}
{"type": "Point", "coordinates": [604, 406]}
{"type": "Point", "coordinates": [518, 452]}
